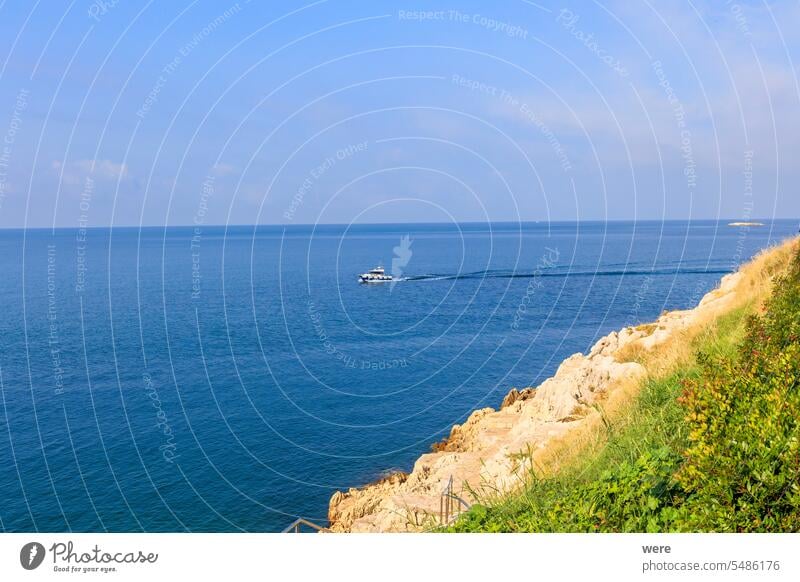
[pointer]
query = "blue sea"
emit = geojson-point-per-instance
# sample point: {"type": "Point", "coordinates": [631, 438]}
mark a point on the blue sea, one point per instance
{"type": "Point", "coordinates": [227, 379]}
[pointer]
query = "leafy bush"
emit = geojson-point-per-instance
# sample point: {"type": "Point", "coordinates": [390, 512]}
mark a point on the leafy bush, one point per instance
{"type": "Point", "coordinates": [742, 468]}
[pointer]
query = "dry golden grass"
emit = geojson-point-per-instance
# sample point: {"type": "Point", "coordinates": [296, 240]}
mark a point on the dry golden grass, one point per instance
{"type": "Point", "coordinates": [589, 435]}
{"type": "Point", "coordinates": [752, 289]}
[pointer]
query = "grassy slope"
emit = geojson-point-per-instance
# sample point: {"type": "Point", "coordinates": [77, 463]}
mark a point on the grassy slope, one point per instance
{"type": "Point", "coordinates": [631, 479]}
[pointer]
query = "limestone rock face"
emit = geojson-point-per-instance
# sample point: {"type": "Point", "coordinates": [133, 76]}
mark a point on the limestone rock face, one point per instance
{"type": "Point", "coordinates": [356, 503]}
{"type": "Point", "coordinates": [517, 395]}
{"type": "Point", "coordinates": [492, 450]}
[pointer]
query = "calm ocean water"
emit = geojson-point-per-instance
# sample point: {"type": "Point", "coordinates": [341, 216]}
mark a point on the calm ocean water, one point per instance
{"type": "Point", "coordinates": [232, 379]}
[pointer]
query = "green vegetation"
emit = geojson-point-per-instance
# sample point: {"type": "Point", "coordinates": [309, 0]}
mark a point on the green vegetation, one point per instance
{"type": "Point", "coordinates": [712, 447]}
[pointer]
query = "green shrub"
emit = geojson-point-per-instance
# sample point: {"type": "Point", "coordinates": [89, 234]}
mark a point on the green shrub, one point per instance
{"type": "Point", "coordinates": [742, 468]}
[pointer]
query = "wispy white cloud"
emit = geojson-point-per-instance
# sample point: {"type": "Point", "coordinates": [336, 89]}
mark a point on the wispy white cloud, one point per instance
{"type": "Point", "coordinates": [76, 172]}
{"type": "Point", "coordinates": [223, 169]}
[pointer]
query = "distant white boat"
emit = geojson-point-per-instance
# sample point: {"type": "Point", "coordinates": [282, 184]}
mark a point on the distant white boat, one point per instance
{"type": "Point", "coordinates": [376, 275]}
{"type": "Point", "coordinates": [745, 224]}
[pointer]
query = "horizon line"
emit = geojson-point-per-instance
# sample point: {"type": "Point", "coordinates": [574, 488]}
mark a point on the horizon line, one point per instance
{"type": "Point", "coordinates": [430, 223]}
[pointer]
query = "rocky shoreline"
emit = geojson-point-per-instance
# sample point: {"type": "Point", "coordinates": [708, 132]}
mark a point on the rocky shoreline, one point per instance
{"type": "Point", "coordinates": [493, 451]}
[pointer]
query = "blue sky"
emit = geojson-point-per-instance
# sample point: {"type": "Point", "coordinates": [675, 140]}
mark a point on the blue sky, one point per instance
{"type": "Point", "coordinates": [131, 113]}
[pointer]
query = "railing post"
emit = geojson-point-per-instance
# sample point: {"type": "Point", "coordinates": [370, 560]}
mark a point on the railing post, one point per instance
{"type": "Point", "coordinates": [450, 504]}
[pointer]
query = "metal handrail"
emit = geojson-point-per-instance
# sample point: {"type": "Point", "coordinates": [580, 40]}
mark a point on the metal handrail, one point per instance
{"type": "Point", "coordinates": [295, 526]}
{"type": "Point", "coordinates": [450, 507]}
{"type": "Point", "coordinates": [450, 504]}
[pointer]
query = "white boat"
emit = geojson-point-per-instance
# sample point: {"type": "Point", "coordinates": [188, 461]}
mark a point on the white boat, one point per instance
{"type": "Point", "coordinates": [376, 275]}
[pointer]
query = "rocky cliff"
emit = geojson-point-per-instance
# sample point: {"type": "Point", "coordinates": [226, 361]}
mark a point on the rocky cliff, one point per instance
{"type": "Point", "coordinates": [492, 452]}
